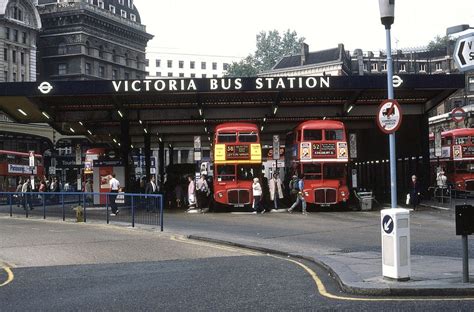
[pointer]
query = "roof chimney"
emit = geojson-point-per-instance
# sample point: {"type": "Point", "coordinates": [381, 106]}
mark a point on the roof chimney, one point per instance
{"type": "Point", "coordinates": [304, 53]}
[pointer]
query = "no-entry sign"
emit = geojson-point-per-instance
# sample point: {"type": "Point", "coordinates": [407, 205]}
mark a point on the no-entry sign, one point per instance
{"type": "Point", "coordinates": [389, 116]}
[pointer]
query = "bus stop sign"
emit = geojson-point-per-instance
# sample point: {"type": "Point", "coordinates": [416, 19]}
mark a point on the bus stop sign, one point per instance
{"type": "Point", "coordinates": [389, 116]}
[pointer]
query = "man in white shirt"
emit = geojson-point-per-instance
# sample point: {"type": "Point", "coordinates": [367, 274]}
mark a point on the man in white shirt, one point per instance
{"type": "Point", "coordinates": [114, 188]}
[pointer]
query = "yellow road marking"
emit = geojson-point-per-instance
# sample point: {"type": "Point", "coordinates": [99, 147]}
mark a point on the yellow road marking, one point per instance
{"type": "Point", "coordinates": [10, 276]}
{"type": "Point", "coordinates": [183, 239]}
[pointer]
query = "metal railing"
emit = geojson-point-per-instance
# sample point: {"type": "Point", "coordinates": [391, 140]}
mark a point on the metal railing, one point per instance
{"type": "Point", "coordinates": [132, 208]}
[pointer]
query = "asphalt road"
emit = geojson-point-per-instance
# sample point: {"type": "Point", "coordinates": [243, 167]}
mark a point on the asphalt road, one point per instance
{"type": "Point", "coordinates": [76, 267]}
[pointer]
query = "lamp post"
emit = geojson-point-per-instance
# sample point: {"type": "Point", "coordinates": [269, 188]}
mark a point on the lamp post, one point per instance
{"type": "Point", "coordinates": [387, 16]}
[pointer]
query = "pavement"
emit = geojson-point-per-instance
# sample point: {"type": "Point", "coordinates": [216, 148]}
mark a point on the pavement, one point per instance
{"type": "Point", "coordinates": [347, 244]}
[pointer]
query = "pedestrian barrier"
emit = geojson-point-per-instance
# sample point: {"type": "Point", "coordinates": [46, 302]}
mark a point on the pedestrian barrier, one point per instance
{"type": "Point", "coordinates": [80, 206]}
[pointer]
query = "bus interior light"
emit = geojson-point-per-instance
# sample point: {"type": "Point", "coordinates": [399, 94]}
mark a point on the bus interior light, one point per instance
{"type": "Point", "coordinates": [22, 112]}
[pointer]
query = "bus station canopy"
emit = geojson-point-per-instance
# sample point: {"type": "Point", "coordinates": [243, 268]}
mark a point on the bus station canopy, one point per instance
{"type": "Point", "coordinates": [175, 110]}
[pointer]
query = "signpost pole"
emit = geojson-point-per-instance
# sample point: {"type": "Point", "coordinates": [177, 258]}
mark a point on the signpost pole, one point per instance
{"type": "Point", "coordinates": [393, 158]}
{"type": "Point", "coordinates": [465, 260]}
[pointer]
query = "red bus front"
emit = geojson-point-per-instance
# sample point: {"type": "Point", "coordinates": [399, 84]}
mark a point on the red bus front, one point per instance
{"type": "Point", "coordinates": [320, 154]}
{"type": "Point", "coordinates": [237, 160]}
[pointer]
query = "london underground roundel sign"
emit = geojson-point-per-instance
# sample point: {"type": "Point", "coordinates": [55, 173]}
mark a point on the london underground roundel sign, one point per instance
{"type": "Point", "coordinates": [458, 114]}
{"type": "Point", "coordinates": [389, 116]}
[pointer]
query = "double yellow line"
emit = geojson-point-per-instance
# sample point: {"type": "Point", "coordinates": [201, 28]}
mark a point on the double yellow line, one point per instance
{"type": "Point", "coordinates": [10, 275]}
{"type": "Point", "coordinates": [319, 284]}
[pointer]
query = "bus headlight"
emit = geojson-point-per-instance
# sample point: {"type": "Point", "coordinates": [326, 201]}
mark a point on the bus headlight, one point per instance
{"type": "Point", "coordinates": [343, 194]}
{"type": "Point", "coordinates": [220, 195]}
{"type": "Point", "coordinates": [306, 193]}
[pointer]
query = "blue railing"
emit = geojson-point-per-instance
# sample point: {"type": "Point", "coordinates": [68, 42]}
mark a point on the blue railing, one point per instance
{"type": "Point", "coordinates": [132, 208]}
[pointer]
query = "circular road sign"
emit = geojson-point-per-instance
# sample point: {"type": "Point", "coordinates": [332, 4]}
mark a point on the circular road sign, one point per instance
{"type": "Point", "coordinates": [458, 114]}
{"type": "Point", "coordinates": [387, 224]}
{"type": "Point", "coordinates": [389, 116]}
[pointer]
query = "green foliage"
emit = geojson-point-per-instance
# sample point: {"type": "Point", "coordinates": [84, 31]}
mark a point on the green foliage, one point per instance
{"type": "Point", "coordinates": [271, 47]}
{"type": "Point", "coordinates": [438, 43]}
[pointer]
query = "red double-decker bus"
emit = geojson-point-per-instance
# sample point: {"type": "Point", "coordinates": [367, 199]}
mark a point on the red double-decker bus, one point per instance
{"type": "Point", "coordinates": [318, 150]}
{"type": "Point", "coordinates": [457, 158]}
{"type": "Point", "coordinates": [237, 160]}
{"type": "Point", "coordinates": [14, 165]}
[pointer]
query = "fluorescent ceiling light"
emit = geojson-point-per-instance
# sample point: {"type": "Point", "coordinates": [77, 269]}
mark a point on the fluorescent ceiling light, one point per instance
{"type": "Point", "coordinates": [145, 130]}
{"type": "Point", "coordinates": [120, 113]}
{"type": "Point", "coordinates": [90, 133]}
{"type": "Point", "coordinates": [22, 112]}
{"type": "Point", "coordinates": [80, 122]}
{"type": "Point", "coordinates": [45, 115]}
{"type": "Point", "coordinates": [350, 108]}
{"type": "Point", "coordinates": [275, 110]}
{"type": "Point", "coordinates": [140, 121]}
{"type": "Point", "coordinates": [72, 130]}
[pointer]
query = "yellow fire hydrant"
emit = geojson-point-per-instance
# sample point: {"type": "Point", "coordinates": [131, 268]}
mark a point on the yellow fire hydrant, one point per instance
{"type": "Point", "coordinates": [79, 214]}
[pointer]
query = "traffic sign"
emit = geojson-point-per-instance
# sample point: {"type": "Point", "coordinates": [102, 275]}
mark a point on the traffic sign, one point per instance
{"type": "Point", "coordinates": [389, 116]}
{"type": "Point", "coordinates": [464, 52]}
{"type": "Point", "coordinates": [397, 81]}
{"type": "Point", "coordinates": [32, 159]}
{"type": "Point", "coordinates": [438, 146]}
{"type": "Point", "coordinates": [276, 147]}
{"type": "Point", "coordinates": [458, 114]}
{"type": "Point", "coordinates": [387, 224]}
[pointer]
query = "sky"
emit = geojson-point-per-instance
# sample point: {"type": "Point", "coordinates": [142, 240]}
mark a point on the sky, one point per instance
{"type": "Point", "coordinates": [229, 28]}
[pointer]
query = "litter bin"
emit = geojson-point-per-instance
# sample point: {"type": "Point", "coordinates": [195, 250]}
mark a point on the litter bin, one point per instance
{"type": "Point", "coordinates": [365, 200]}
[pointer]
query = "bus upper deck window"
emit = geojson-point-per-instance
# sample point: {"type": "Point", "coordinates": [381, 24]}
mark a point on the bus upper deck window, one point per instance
{"type": "Point", "coordinates": [250, 137]}
{"type": "Point", "coordinates": [333, 135]}
{"type": "Point", "coordinates": [226, 138]}
{"type": "Point", "coordinates": [462, 140]}
{"type": "Point", "coordinates": [312, 135]}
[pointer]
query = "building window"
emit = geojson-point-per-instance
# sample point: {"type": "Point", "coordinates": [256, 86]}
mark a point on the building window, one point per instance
{"type": "Point", "coordinates": [112, 9]}
{"type": "Point", "coordinates": [204, 76]}
{"type": "Point", "coordinates": [7, 33]}
{"type": "Point", "coordinates": [181, 75]}
{"type": "Point", "coordinates": [158, 63]}
{"type": "Point", "coordinates": [214, 76]}
{"type": "Point", "coordinates": [423, 67]}
{"type": "Point", "coordinates": [203, 65]}
{"type": "Point", "coordinates": [130, 4]}
{"type": "Point", "coordinates": [181, 64]}
{"type": "Point", "coordinates": [192, 64]}
{"type": "Point", "coordinates": [17, 14]}
{"type": "Point", "coordinates": [22, 58]}
{"type": "Point", "coordinates": [384, 66]}
{"type": "Point", "coordinates": [138, 62]}
{"type": "Point", "coordinates": [403, 67]}
{"type": "Point", "coordinates": [62, 69]}
{"type": "Point", "coordinates": [127, 76]}
{"type": "Point", "coordinates": [22, 77]}
{"type": "Point", "coordinates": [88, 48]}
{"type": "Point", "coordinates": [158, 74]}
{"type": "Point", "coordinates": [88, 69]}
{"type": "Point", "coordinates": [101, 71]}
{"type": "Point", "coordinates": [225, 66]}
{"type": "Point", "coordinates": [127, 61]}
{"type": "Point", "coordinates": [170, 74]}
{"type": "Point", "coordinates": [170, 63]}
{"type": "Point", "coordinates": [373, 67]}
{"type": "Point", "coordinates": [101, 51]}
{"type": "Point", "coordinates": [100, 3]}
{"type": "Point", "coordinates": [471, 83]}
{"type": "Point", "coordinates": [5, 73]}
{"type": "Point", "coordinates": [122, 2]}
{"type": "Point", "coordinates": [114, 56]}
{"type": "Point", "coordinates": [14, 56]}
{"type": "Point", "coordinates": [133, 17]}
{"type": "Point", "coordinates": [193, 75]}
{"type": "Point", "coordinates": [214, 66]}
{"type": "Point", "coordinates": [62, 49]}
{"type": "Point", "coordinates": [14, 77]}
{"type": "Point", "coordinates": [5, 54]}
{"type": "Point", "coordinates": [147, 62]}
{"type": "Point", "coordinates": [24, 37]}
{"type": "Point", "coordinates": [123, 13]}
{"type": "Point", "coordinates": [15, 35]}
{"type": "Point", "coordinates": [114, 74]}
{"type": "Point", "coordinates": [438, 66]}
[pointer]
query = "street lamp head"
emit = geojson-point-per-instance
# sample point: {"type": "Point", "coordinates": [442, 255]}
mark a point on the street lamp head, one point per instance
{"type": "Point", "coordinates": [387, 12]}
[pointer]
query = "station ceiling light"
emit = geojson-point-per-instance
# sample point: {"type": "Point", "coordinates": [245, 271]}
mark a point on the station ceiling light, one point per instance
{"type": "Point", "coordinates": [145, 130]}
{"type": "Point", "coordinates": [45, 115]}
{"type": "Point", "coordinates": [22, 112]}
{"type": "Point", "coordinates": [115, 141]}
{"type": "Point", "coordinates": [72, 130]}
{"type": "Point", "coordinates": [90, 133]}
{"type": "Point", "coordinates": [350, 108]}
{"type": "Point", "coordinates": [140, 122]}
{"type": "Point", "coordinates": [160, 139]}
{"type": "Point", "coordinates": [275, 109]}
{"type": "Point", "coordinates": [80, 122]}
{"type": "Point", "coordinates": [120, 113]}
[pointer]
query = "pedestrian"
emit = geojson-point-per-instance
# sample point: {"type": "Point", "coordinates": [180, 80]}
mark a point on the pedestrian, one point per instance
{"type": "Point", "coordinates": [18, 192]}
{"type": "Point", "coordinates": [42, 189]}
{"type": "Point", "coordinates": [25, 190]}
{"type": "Point", "coordinates": [88, 189]}
{"type": "Point", "coordinates": [54, 187]}
{"type": "Point", "coordinates": [114, 189]}
{"type": "Point", "coordinates": [151, 188]}
{"type": "Point", "coordinates": [257, 196]}
{"type": "Point", "coordinates": [415, 192]}
{"type": "Point", "coordinates": [299, 186]}
{"type": "Point", "coordinates": [276, 190]}
{"type": "Point", "coordinates": [178, 194]}
{"type": "Point", "coordinates": [191, 193]}
{"type": "Point", "coordinates": [293, 188]}
{"type": "Point", "coordinates": [202, 191]}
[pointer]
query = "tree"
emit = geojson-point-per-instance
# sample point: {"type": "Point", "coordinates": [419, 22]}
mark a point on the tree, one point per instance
{"type": "Point", "coordinates": [271, 47]}
{"type": "Point", "coordinates": [438, 43]}
{"type": "Point", "coordinates": [244, 68]}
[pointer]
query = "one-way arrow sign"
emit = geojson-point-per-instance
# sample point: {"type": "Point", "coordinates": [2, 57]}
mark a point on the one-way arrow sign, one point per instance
{"type": "Point", "coordinates": [464, 52]}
